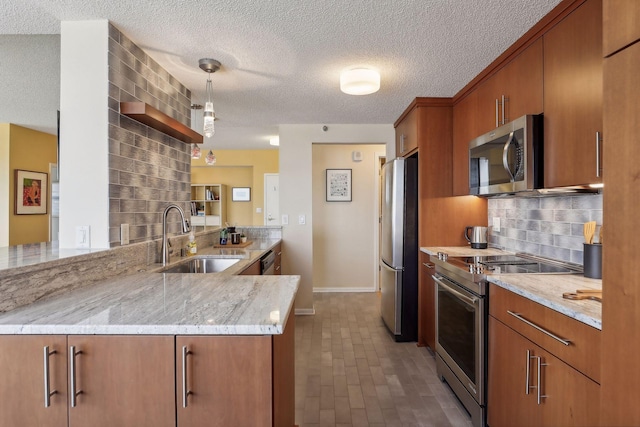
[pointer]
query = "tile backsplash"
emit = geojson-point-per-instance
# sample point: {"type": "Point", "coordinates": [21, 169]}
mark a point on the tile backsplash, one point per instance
{"type": "Point", "coordinates": [547, 226]}
{"type": "Point", "coordinates": [147, 169]}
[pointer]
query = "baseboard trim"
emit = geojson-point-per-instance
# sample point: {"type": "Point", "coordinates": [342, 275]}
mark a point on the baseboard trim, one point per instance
{"type": "Point", "coordinates": [323, 290]}
{"type": "Point", "coordinates": [305, 311]}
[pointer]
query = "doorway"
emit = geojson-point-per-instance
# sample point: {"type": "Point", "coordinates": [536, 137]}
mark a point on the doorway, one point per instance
{"type": "Point", "coordinates": [271, 199]}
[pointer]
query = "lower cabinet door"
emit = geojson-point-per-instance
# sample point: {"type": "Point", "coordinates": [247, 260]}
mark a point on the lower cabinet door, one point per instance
{"type": "Point", "coordinates": [224, 380]}
{"type": "Point", "coordinates": [122, 381]}
{"type": "Point", "coordinates": [24, 379]}
{"type": "Point", "coordinates": [558, 394]}
{"type": "Point", "coordinates": [508, 402]}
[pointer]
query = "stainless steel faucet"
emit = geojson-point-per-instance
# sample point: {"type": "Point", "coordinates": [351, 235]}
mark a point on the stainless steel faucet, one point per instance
{"type": "Point", "coordinates": [185, 229]}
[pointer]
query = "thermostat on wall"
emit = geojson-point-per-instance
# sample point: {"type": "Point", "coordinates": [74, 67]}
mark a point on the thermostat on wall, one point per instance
{"type": "Point", "coordinates": [356, 156]}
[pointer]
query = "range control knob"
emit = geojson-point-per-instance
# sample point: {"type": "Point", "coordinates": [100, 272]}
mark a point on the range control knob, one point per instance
{"type": "Point", "coordinates": [443, 256]}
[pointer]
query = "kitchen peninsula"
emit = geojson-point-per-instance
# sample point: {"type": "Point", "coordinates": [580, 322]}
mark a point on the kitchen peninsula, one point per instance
{"type": "Point", "coordinates": [156, 349]}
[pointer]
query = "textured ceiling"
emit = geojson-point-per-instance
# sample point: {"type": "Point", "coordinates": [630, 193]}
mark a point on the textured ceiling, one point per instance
{"type": "Point", "coordinates": [281, 59]}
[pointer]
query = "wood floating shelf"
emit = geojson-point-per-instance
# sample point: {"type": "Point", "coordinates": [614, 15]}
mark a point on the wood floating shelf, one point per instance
{"type": "Point", "coordinates": [156, 119]}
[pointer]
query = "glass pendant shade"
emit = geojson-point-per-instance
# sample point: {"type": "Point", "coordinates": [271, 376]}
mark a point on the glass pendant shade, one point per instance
{"type": "Point", "coordinates": [209, 112]}
{"type": "Point", "coordinates": [210, 158]}
{"type": "Point", "coordinates": [196, 153]}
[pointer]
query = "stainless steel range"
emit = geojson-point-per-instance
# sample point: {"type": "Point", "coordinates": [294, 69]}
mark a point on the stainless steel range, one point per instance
{"type": "Point", "coordinates": [461, 319]}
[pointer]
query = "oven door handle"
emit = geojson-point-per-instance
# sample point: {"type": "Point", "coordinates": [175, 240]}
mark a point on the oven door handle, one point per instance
{"type": "Point", "coordinates": [448, 288]}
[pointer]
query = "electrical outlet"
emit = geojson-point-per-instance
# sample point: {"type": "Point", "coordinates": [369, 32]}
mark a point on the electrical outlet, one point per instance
{"type": "Point", "coordinates": [302, 220]}
{"type": "Point", "coordinates": [124, 234]}
{"type": "Point", "coordinates": [496, 224]}
{"type": "Point", "coordinates": [285, 219]}
{"type": "Point", "coordinates": [83, 236]}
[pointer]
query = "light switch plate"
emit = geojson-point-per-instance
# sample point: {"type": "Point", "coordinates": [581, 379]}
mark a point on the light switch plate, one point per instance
{"type": "Point", "coordinates": [496, 224]}
{"type": "Point", "coordinates": [124, 234]}
{"type": "Point", "coordinates": [83, 236]}
{"type": "Point", "coordinates": [285, 219]}
{"type": "Point", "coordinates": [302, 220]}
{"type": "Point", "coordinates": [258, 210]}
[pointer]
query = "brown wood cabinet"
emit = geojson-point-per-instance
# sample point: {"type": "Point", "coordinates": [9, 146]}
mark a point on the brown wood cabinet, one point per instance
{"type": "Point", "coordinates": [123, 380]}
{"type": "Point", "coordinates": [621, 20]}
{"type": "Point", "coordinates": [407, 133]}
{"type": "Point", "coordinates": [427, 304]}
{"type": "Point", "coordinates": [465, 128]}
{"type": "Point", "coordinates": [253, 270]}
{"type": "Point", "coordinates": [573, 98]}
{"type": "Point", "coordinates": [23, 378]}
{"type": "Point", "coordinates": [515, 90]}
{"type": "Point", "coordinates": [528, 386]}
{"type": "Point", "coordinates": [621, 282]}
{"type": "Point", "coordinates": [236, 380]}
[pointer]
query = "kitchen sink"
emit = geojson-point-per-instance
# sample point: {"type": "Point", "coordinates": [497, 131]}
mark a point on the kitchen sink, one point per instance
{"type": "Point", "coordinates": [203, 265]}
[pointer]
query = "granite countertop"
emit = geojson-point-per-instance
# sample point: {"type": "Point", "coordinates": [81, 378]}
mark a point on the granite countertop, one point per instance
{"type": "Point", "coordinates": [545, 289]}
{"type": "Point", "coordinates": [156, 303]}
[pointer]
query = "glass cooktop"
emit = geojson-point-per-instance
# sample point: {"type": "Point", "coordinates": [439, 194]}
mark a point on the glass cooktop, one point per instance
{"type": "Point", "coordinates": [516, 264]}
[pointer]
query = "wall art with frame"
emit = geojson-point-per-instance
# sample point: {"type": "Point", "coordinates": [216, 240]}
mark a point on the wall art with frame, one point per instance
{"type": "Point", "coordinates": [339, 185]}
{"type": "Point", "coordinates": [31, 192]}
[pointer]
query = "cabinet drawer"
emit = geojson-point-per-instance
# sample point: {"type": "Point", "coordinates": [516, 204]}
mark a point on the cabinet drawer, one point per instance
{"type": "Point", "coordinates": [583, 349]}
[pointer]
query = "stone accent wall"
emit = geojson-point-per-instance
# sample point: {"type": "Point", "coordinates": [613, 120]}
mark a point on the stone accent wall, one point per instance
{"type": "Point", "coordinates": [147, 169]}
{"type": "Point", "coordinates": [546, 226]}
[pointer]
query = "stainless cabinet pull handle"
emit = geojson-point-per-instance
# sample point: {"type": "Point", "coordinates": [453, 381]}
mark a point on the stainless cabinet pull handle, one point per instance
{"type": "Point", "coordinates": [539, 387]}
{"type": "Point", "coordinates": [402, 143]}
{"type": "Point", "coordinates": [72, 367]}
{"type": "Point", "coordinates": [428, 264]}
{"type": "Point", "coordinates": [47, 378]}
{"type": "Point", "coordinates": [504, 99]}
{"type": "Point", "coordinates": [185, 392]}
{"type": "Point", "coordinates": [598, 154]}
{"type": "Point", "coordinates": [277, 268]}
{"type": "Point", "coordinates": [544, 331]}
{"type": "Point", "coordinates": [527, 386]}
{"type": "Point", "coordinates": [497, 117]}
{"type": "Point", "coordinates": [279, 253]}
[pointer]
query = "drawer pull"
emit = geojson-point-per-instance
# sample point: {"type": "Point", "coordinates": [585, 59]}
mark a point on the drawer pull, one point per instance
{"type": "Point", "coordinates": [544, 331]}
{"type": "Point", "coordinates": [47, 378]}
{"type": "Point", "coordinates": [428, 264]}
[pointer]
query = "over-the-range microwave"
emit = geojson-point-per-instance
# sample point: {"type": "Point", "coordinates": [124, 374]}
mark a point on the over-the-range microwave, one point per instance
{"type": "Point", "coordinates": [508, 159]}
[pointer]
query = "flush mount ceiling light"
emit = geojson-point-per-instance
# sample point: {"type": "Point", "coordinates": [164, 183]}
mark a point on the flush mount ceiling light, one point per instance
{"type": "Point", "coordinates": [210, 66]}
{"type": "Point", "coordinates": [359, 81]}
{"type": "Point", "coordinates": [274, 140]}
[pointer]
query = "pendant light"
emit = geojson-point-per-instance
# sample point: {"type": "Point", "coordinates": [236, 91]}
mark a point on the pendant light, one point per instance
{"type": "Point", "coordinates": [210, 66]}
{"type": "Point", "coordinates": [196, 153]}
{"type": "Point", "coordinates": [210, 158]}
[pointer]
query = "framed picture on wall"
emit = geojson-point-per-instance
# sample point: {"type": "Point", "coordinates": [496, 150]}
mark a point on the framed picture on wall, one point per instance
{"type": "Point", "coordinates": [31, 192]}
{"type": "Point", "coordinates": [338, 185]}
{"type": "Point", "coordinates": [241, 194]}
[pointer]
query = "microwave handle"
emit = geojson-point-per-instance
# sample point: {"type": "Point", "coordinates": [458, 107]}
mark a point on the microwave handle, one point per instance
{"type": "Point", "coordinates": [505, 159]}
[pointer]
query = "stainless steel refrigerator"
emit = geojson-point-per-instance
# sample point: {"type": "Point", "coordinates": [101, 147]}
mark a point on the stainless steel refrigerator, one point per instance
{"type": "Point", "coordinates": [399, 248]}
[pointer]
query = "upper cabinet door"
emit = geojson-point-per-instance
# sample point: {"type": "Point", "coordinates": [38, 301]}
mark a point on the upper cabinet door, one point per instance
{"type": "Point", "coordinates": [573, 98]}
{"type": "Point", "coordinates": [515, 90]}
{"type": "Point", "coordinates": [465, 128]}
{"type": "Point", "coordinates": [621, 24]}
{"type": "Point", "coordinates": [407, 134]}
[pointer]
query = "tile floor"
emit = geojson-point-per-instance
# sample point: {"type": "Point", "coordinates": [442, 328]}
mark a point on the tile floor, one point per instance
{"type": "Point", "coordinates": [349, 372]}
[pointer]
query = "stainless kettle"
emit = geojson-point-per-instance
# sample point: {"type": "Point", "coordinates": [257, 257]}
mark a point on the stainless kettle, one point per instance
{"type": "Point", "coordinates": [477, 237]}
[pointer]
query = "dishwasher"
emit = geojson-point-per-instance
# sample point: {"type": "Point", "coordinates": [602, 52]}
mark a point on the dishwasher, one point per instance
{"type": "Point", "coordinates": [267, 263]}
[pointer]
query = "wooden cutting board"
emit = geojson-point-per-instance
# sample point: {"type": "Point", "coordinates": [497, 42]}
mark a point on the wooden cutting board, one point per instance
{"type": "Point", "coordinates": [230, 245]}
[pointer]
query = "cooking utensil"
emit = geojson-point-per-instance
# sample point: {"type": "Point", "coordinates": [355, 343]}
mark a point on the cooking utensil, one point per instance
{"type": "Point", "coordinates": [589, 231]}
{"type": "Point", "coordinates": [581, 294]}
{"type": "Point", "coordinates": [600, 236]}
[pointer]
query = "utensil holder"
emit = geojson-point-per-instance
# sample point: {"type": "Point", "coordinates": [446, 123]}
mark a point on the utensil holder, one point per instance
{"type": "Point", "coordinates": [592, 264]}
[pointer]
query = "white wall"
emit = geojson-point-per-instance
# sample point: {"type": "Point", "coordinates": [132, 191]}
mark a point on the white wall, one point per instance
{"type": "Point", "coordinates": [84, 155]}
{"type": "Point", "coordinates": [296, 188]}
{"type": "Point", "coordinates": [345, 234]}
